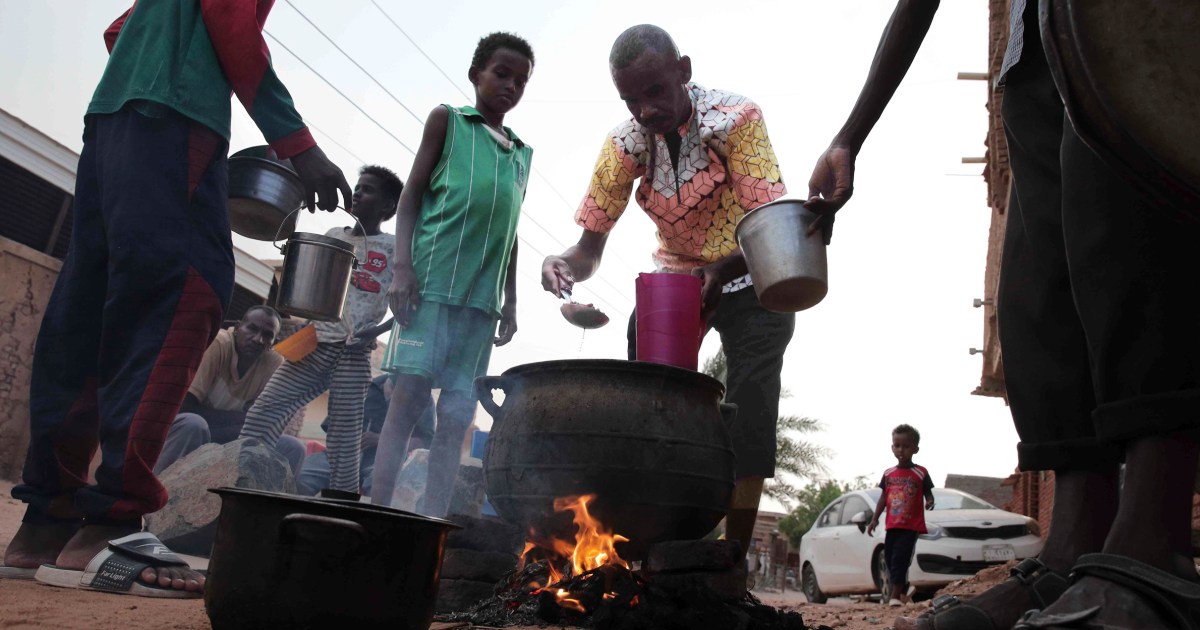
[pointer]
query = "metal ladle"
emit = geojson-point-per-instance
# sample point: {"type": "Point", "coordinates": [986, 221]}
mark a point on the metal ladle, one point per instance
{"type": "Point", "coordinates": [584, 316]}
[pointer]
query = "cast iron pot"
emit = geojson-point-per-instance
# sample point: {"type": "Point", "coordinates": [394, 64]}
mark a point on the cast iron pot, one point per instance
{"type": "Point", "coordinates": [649, 440]}
{"type": "Point", "coordinates": [285, 561]}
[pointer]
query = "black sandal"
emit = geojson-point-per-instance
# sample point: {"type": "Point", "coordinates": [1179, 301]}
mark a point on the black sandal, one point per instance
{"type": "Point", "coordinates": [949, 612]}
{"type": "Point", "coordinates": [1175, 599]}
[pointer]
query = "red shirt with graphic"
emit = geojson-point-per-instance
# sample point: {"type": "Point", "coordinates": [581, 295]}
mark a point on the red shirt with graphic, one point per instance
{"type": "Point", "coordinates": [904, 490]}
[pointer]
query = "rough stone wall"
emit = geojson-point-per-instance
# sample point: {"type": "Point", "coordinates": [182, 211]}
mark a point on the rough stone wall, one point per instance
{"type": "Point", "coordinates": [28, 279]}
{"type": "Point", "coordinates": [997, 175]}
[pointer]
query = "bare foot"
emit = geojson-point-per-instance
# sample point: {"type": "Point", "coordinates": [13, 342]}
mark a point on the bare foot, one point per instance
{"type": "Point", "coordinates": [91, 540]}
{"type": "Point", "coordinates": [35, 545]}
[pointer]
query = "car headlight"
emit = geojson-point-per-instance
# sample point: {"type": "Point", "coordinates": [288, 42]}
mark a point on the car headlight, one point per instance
{"type": "Point", "coordinates": [1033, 527]}
{"type": "Point", "coordinates": [934, 532]}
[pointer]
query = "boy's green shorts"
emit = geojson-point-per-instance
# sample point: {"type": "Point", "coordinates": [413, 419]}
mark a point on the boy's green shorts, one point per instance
{"type": "Point", "coordinates": [449, 345]}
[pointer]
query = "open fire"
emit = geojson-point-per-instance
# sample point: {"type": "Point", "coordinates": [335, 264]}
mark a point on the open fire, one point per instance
{"type": "Point", "coordinates": [581, 580]}
{"type": "Point", "coordinates": [580, 568]}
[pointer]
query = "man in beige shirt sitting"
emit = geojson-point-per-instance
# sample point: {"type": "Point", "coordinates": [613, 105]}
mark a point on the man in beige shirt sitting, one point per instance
{"type": "Point", "coordinates": [233, 372]}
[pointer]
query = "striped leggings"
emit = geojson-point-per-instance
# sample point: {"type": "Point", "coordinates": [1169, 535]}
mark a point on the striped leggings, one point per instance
{"type": "Point", "coordinates": [346, 373]}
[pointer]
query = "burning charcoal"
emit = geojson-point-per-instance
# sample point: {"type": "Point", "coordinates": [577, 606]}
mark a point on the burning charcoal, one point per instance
{"type": "Point", "coordinates": [548, 609]}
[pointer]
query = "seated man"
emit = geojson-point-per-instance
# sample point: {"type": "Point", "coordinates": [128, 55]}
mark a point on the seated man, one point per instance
{"type": "Point", "coordinates": [235, 369]}
{"type": "Point", "coordinates": [314, 476]}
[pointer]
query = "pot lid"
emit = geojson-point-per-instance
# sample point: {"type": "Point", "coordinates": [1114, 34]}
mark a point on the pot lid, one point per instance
{"type": "Point", "coordinates": [599, 367]}
{"type": "Point", "coordinates": [353, 506]}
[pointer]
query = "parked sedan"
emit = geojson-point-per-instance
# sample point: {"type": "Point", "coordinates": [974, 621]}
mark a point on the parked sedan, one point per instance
{"type": "Point", "coordinates": [966, 535]}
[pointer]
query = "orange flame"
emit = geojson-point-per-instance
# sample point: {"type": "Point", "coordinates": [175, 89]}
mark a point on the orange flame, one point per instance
{"type": "Point", "coordinates": [592, 547]}
{"type": "Point", "coordinates": [594, 543]}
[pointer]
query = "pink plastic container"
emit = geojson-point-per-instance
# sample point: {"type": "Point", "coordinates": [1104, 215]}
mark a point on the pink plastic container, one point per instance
{"type": "Point", "coordinates": [669, 329]}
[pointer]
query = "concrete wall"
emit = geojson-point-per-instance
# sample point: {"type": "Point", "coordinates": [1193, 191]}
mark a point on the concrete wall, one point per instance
{"type": "Point", "coordinates": [28, 279]}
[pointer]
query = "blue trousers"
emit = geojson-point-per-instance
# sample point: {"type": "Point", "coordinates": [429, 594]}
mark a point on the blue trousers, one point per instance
{"type": "Point", "coordinates": [141, 294]}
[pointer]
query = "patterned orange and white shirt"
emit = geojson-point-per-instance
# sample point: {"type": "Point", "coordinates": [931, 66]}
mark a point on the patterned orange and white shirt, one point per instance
{"type": "Point", "coordinates": [726, 168]}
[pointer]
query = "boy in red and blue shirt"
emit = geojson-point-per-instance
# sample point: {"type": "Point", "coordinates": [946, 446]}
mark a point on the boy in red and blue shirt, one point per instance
{"type": "Point", "coordinates": [903, 487]}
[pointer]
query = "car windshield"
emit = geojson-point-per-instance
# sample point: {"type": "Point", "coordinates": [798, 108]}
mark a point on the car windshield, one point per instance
{"type": "Point", "coordinates": [946, 500]}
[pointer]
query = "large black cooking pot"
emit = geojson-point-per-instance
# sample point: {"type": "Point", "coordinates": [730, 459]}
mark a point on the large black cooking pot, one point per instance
{"type": "Point", "coordinates": [282, 561]}
{"type": "Point", "coordinates": [649, 440]}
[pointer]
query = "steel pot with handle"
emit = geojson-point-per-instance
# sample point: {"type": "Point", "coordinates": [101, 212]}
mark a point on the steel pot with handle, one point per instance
{"type": "Point", "coordinates": [316, 275]}
{"type": "Point", "coordinates": [283, 561]}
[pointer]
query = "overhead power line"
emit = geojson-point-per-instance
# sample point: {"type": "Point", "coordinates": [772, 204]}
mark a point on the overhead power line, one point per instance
{"type": "Point", "coordinates": [343, 94]}
{"type": "Point", "coordinates": [334, 141]}
{"type": "Point", "coordinates": [345, 54]}
{"type": "Point", "coordinates": [415, 45]}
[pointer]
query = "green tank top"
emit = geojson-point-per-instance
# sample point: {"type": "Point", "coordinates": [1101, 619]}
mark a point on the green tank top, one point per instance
{"type": "Point", "coordinates": [463, 238]}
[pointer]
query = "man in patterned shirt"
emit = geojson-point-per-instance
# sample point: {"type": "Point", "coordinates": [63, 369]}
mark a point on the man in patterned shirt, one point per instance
{"type": "Point", "coordinates": [703, 160]}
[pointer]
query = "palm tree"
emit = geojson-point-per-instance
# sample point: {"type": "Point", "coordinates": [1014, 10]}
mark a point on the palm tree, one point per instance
{"type": "Point", "coordinates": [796, 459]}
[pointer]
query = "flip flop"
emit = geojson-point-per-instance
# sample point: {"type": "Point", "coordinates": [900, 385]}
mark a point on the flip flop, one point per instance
{"type": "Point", "coordinates": [117, 567]}
{"type": "Point", "coordinates": [1174, 601]}
{"type": "Point", "coordinates": [16, 573]}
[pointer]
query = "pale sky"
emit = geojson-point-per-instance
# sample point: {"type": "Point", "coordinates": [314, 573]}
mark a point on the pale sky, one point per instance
{"type": "Point", "coordinates": [890, 342]}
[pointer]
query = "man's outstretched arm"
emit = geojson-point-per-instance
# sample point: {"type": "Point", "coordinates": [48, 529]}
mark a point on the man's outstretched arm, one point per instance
{"type": "Point", "coordinates": [832, 181]}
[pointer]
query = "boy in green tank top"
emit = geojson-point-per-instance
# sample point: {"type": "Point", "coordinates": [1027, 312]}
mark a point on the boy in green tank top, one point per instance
{"type": "Point", "coordinates": [456, 255]}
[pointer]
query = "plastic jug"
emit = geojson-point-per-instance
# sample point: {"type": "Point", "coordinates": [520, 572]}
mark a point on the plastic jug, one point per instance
{"type": "Point", "coordinates": [669, 328]}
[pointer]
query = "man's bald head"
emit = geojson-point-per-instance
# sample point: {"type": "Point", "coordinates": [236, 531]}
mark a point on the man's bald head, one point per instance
{"type": "Point", "coordinates": [637, 40]}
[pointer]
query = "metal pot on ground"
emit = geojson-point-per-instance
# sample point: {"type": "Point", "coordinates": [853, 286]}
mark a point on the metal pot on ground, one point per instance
{"type": "Point", "coordinates": [650, 441]}
{"type": "Point", "coordinates": [282, 561]}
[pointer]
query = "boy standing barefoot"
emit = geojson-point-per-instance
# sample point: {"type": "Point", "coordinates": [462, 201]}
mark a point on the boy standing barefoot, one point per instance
{"type": "Point", "coordinates": [456, 253]}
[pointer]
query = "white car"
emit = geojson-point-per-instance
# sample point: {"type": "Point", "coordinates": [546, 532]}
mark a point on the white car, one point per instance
{"type": "Point", "coordinates": [966, 535]}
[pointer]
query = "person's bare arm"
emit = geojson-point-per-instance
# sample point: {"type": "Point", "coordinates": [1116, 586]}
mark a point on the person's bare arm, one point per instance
{"type": "Point", "coordinates": [403, 295]}
{"type": "Point", "coordinates": [832, 180]}
{"type": "Point", "coordinates": [508, 312]}
{"type": "Point", "coordinates": [878, 512]}
{"type": "Point", "coordinates": [579, 262]}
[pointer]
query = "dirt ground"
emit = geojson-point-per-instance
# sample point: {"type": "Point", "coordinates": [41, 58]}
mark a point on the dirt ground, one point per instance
{"type": "Point", "coordinates": [26, 604]}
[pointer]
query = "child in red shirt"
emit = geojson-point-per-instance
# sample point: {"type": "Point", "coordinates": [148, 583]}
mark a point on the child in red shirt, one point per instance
{"type": "Point", "coordinates": [903, 486]}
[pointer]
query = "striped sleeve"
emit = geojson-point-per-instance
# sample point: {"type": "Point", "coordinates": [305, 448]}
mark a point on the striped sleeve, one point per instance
{"type": "Point", "coordinates": [235, 28]}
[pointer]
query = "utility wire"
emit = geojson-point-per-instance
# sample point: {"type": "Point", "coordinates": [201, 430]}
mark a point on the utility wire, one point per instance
{"type": "Point", "coordinates": [417, 118]}
{"type": "Point", "coordinates": [334, 141]}
{"type": "Point", "coordinates": [414, 43]}
{"type": "Point", "coordinates": [343, 94]}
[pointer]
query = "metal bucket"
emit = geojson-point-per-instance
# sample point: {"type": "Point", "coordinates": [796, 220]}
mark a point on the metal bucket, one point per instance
{"type": "Point", "coordinates": [786, 263]}
{"type": "Point", "coordinates": [316, 276]}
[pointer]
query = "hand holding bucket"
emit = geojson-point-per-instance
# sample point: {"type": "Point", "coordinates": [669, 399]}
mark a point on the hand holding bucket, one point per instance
{"type": "Point", "coordinates": [669, 328]}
